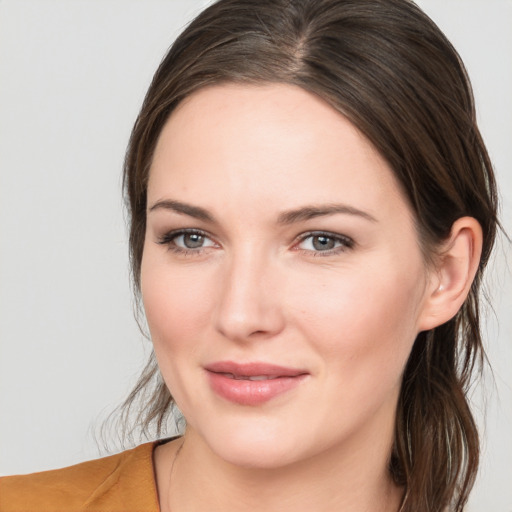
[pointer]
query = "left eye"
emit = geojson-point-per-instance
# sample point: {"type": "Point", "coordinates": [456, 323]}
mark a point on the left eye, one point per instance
{"type": "Point", "coordinates": [324, 242]}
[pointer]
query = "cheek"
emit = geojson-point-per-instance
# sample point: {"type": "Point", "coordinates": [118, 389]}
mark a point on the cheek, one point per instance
{"type": "Point", "coordinates": [363, 322]}
{"type": "Point", "coordinates": [176, 303]}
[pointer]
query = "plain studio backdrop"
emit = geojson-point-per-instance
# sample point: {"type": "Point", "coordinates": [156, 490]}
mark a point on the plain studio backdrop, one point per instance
{"type": "Point", "coordinates": [73, 74]}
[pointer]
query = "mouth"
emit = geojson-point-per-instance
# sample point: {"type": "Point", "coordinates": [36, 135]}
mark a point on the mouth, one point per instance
{"type": "Point", "coordinates": [248, 377]}
{"type": "Point", "coordinates": [252, 384]}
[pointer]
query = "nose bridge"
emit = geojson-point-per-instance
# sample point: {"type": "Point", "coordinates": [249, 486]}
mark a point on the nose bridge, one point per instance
{"type": "Point", "coordinates": [249, 303]}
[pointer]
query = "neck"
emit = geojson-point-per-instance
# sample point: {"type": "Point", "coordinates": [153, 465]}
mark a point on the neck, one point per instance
{"type": "Point", "coordinates": [344, 480]}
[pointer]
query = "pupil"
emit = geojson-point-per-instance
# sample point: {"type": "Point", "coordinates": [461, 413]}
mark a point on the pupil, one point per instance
{"type": "Point", "coordinates": [323, 243]}
{"type": "Point", "coordinates": [193, 240]}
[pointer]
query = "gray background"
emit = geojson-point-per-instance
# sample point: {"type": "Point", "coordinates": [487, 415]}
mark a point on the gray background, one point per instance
{"type": "Point", "coordinates": [72, 77]}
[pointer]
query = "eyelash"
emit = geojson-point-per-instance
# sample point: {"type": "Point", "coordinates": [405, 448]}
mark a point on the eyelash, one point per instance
{"type": "Point", "coordinates": [345, 242]}
{"type": "Point", "coordinates": [169, 238]}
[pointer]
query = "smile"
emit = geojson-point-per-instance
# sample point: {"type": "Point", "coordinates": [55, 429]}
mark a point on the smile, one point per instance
{"type": "Point", "coordinates": [249, 377]}
{"type": "Point", "coordinates": [252, 384]}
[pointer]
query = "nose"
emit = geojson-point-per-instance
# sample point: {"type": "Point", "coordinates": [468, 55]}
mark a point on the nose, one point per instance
{"type": "Point", "coordinates": [249, 305]}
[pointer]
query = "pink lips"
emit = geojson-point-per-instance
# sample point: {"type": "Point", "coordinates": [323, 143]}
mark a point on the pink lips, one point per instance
{"type": "Point", "coordinates": [252, 383]}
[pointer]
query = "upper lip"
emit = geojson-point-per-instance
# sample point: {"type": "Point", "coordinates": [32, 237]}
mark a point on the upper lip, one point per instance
{"type": "Point", "coordinates": [253, 369]}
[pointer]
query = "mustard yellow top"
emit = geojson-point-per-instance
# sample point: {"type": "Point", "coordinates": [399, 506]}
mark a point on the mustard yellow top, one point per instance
{"type": "Point", "coordinates": [120, 483]}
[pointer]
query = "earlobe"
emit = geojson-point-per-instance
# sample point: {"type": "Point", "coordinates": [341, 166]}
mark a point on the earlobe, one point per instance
{"type": "Point", "coordinates": [453, 274]}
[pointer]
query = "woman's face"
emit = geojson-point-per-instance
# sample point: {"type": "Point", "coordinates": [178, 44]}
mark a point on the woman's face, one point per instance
{"type": "Point", "coordinates": [282, 276]}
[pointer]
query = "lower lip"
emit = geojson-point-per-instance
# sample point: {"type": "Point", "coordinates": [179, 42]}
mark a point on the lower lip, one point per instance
{"type": "Point", "coordinates": [252, 392]}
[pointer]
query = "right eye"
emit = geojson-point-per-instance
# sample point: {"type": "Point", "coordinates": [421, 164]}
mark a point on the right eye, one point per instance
{"type": "Point", "coordinates": [186, 241]}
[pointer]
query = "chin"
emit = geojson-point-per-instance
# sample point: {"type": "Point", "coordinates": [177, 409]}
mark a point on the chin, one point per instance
{"type": "Point", "coordinates": [256, 456]}
{"type": "Point", "coordinates": [259, 446]}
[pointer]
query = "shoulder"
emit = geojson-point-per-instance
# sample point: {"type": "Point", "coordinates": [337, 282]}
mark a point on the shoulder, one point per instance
{"type": "Point", "coordinates": [123, 482]}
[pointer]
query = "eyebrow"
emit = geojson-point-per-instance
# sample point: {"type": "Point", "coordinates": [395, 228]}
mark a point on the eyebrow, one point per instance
{"type": "Point", "coordinates": [185, 209]}
{"type": "Point", "coordinates": [287, 217]}
{"type": "Point", "coordinates": [311, 212]}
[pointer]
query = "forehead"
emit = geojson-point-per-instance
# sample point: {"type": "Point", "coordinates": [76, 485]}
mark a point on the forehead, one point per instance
{"type": "Point", "coordinates": [272, 144]}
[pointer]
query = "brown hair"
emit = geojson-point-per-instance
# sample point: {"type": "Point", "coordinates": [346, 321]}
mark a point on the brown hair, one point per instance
{"type": "Point", "coordinates": [388, 68]}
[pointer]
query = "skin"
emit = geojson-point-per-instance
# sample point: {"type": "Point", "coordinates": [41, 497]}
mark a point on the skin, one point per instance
{"type": "Point", "coordinates": [261, 290]}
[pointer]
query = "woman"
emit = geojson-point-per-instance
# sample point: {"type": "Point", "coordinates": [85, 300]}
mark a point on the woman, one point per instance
{"type": "Point", "coordinates": [312, 208]}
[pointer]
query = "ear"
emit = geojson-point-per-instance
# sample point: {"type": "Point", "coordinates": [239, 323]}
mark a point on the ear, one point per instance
{"type": "Point", "coordinates": [453, 274]}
